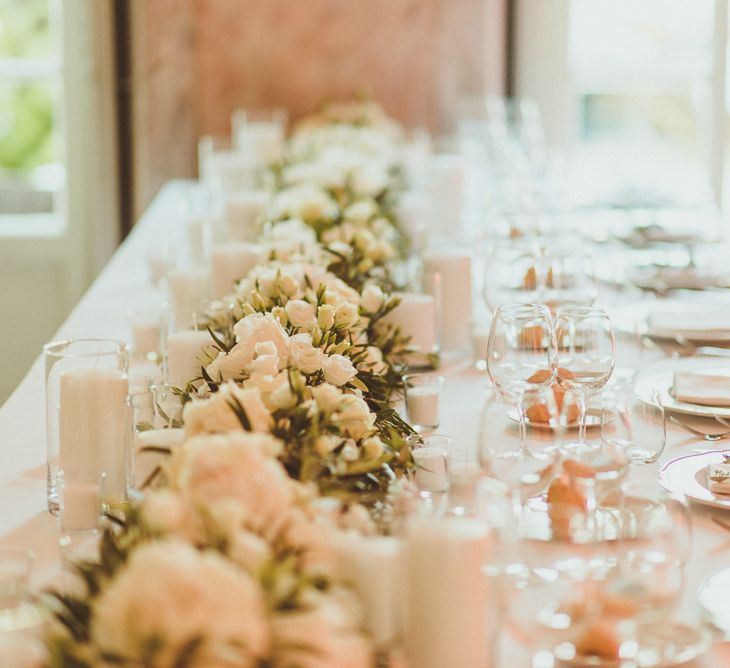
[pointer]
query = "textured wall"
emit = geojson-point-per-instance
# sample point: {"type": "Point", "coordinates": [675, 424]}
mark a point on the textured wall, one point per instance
{"type": "Point", "coordinates": [194, 61]}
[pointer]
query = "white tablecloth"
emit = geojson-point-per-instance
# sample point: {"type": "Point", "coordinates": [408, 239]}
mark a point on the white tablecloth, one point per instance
{"type": "Point", "coordinates": [123, 284]}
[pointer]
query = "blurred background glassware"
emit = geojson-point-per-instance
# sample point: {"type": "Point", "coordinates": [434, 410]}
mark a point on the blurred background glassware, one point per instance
{"type": "Point", "coordinates": [464, 473]}
{"type": "Point", "coordinates": [430, 457]}
{"type": "Point", "coordinates": [527, 466]}
{"type": "Point", "coordinates": [521, 354]}
{"type": "Point", "coordinates": [511, 275]}
{"type": "Point", "coordinates": [634, 423]}
{"type": "Point", "coordinates": [18, 612]}
{"type": "Point", "coordinates": [160, 261]}
{"type": "Point", "coordinates": [585, 355]}
{"type": "Point", "coordinates": [260, 133]}
{"type": "Point", "coordinates": [567, 277]}
{"type": "Point", "coordinates": [422, 393]}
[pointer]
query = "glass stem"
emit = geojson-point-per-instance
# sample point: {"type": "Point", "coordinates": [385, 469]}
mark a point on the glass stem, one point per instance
{"type": "Point", "coordinates": [582, 404]}
{"type": "Point", "coordinates": [523, 424]}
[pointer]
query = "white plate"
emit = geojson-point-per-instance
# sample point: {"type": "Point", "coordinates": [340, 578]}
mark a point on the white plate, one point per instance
{"type": "Point", "coordinates": [663, 384]}
{"type": "Point", "coordinates": [688, 475]}
{"type": "Point", "coordinates": [624, 319]}
{"type": "Point", "coordinates": [593, 419]}
{"type": "Point", "coordinates": [713, 595]}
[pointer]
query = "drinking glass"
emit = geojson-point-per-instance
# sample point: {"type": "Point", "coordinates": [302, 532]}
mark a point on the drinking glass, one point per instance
{"type": "Point", "coordinates": [585, 355]}
{"type": "Point", "coordinates": [422, 392]}
{"type": "Point", "coordinates": [521, 354]}
{"type": "Point", "coordinates": [526, 464]}
{"type": "Point", "coordinates": [568, 278]}
{"type": "Point", "coordinates": [511, 275]}
{"type": "Point", "coordinates": [87, 415]}
{"type": "Point", "coordinates": [634, 423]}
{"type": "Point", "coordinates": [464, 473]}
{"type": "Point", "coordinates": [430, 456]}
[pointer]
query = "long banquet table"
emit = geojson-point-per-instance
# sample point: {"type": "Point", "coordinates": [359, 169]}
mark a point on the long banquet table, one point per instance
{"type": "Point", "coordinates": [124, 283]}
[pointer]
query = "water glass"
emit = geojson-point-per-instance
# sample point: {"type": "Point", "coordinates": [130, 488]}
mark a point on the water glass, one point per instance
{"type": "Point", "coordinates": [430, 456]}
{"type": "Point", "coordinates": [422, 392]}
{"type": "Point", "coordinates": [634, 423]}
{"type": "Point", "coordinates": [88, 427]}
{"type": "Point", "coordinates": [464, 473]}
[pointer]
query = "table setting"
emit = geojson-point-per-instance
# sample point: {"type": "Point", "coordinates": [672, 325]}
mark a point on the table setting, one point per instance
{"type": "Point", "coordinates": [323, 409]}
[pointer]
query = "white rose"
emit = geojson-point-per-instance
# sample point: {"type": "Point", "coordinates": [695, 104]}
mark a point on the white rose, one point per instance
{"type": "Point", "coordinates": [266, 365]}
{"type": "Point", "coordinates": [265, 348]}
{"type": "Point", "coordinates": [250, 400]}
{"type": "Point", "coordinates": [354, 416]}
{"type": "Point", "coordinates": [373, 447]}
{"type": "Point", "coordinates": [346, 314]}
{"type": "Point", "coordinates": [170, 592]}
{"type": "Point", "coordinates": [326, 443]}
{"type": "Point", "coordinates": [304, 356]}
{"type": "Point", "coordinates": [258, 328]}
{"type": "Point", "coordinates": [362, 211]}
{"type": "Point", "coordinates": [289, 285]}
{"type": "Point", "coordinates": [327, 397]}
{"type": "Point", "coordinates": [326, 316]}
{"type": "Point", "coordinates": [208, 416]}
{"type": "Point", "coordinates": [229, 365]}
{"type": "Point", "coordinates": [165, 512]}
{"type": "Point", "coordinates": [301, 313]}
{"type": "Point", "coordinates": [280, 314]}
{"type": "Point", "coordinates": [338, 369]}
{"type": "Point", "coordinates": [373, 360]}
{"type": "Point", "coordinates": [282, 396]}
{"type": "Point", "coordinates": [372, 298]}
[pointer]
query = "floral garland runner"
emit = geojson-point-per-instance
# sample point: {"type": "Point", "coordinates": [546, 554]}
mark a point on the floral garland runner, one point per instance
{"type": "Point", "coordinates": [232, 560]}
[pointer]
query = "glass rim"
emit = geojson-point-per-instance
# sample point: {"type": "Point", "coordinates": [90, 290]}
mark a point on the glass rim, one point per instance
{"type": "Point", "coordinates": [59, 348]}
{"type": "Point", "coordinates": [582, 311]}
{"type": "Point", "coordinates": [522, 309]}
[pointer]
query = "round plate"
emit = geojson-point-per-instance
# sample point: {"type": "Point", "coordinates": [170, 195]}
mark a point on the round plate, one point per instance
{"type": "Point", "coordinates": [593, 419]}
{"type": "Point", "coordinates": [624, 318]}
{"type": "Point", "coordinates": [659, 644]}
{"type": "Point", "coordinates": [663, 384]}
{"type": "Point", "coordinates": [713, 595]}
{"type": "Point", "coordinates": [688, 475]}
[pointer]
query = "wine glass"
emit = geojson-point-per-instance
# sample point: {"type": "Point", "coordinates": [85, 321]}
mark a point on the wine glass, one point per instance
{"type": "Point", "coordinates": [586, 354]}
{"type": "Point", "coordinates": [526, 467]}
{"type": "Point", "coordinates": [511, 275]}
{"type": "Point", "coordinates": [521, 354]}
{"type": "Point", "coordinates": [568, 277]}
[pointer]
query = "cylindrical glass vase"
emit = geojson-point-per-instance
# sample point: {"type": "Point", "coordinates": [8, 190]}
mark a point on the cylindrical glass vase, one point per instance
{"type": "Point", "coordinates": [88, 422]}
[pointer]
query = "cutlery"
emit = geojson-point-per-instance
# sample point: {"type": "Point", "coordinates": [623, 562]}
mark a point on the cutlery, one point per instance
{"type": "Point", "coordinates": [701, 434]}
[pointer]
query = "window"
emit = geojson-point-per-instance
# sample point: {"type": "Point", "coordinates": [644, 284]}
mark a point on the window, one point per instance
{"type": "Point", "coordinates": [32, 174]}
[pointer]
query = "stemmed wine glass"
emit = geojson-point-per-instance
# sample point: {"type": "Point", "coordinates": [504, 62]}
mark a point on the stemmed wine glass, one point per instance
{"type": "Point", "coordinates": [511, 274]}
{"type": "Point", "coordinates": [586, 354]}
{"type": "Point", "coordinates": [521, 354]}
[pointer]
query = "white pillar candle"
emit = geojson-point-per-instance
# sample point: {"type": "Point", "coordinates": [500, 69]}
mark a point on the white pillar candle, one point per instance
{"type": "Point", "coordinates": [416, 317]}
{"type": "Point", "coordinates": [373, 566]}
{"type": "Point", "coordinates": [413, 214]}
{"type": "Point", "coordinates": [232, 261]}
{"type": "Point", "coordinates": [146, 461]}
{"type": "Point", "coordinates": [189, 285]}
{"type": "Point", "coordinates": [261, 141]}
{"type": "Point", "coordinates": [244, 213]}
{"type": "Point", "coordinates": [454, 267]}
{"type": "Point", "coordinates": [81, 506]}
{"type": "Point", "coordinates": [94, 429]}
{"type": "Point", "coordinates": [448, 617]}
{"type": "Point", "coordinates": [198, 231]}
{"type": "Point", "coordinates": [422, 405]}
{"type": "Point", "coordinates": [184, 355]}
{"type": "Point", "coordinates": [145, 335]}
{"type": "Point", "coordinates": [431, 474]}
{"type": "Point", "coordinates": [446, 178]}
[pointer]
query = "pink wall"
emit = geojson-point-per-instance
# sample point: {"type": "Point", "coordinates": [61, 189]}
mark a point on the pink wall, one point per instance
{"type": "Point", "coordinates": [198, 60]}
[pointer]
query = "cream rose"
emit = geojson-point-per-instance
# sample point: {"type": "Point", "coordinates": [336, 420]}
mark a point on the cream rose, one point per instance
{"type": "Point", "coordinates": [258, 328]}
{"type": "Point", "coordinates": [301, 314]}
{"type": "Point", "coordinates": [303, 355]}
{"type": "Point", "coordinates": [338, 369]}
{"type": "Point", "coordinates": [326, 316]}
{"type": "Point", "coordinates": [346, 314]}
{"type": "Point", "coordinates": [354, 416]}
{"type": "Point", "coordinates": [207, 416]}
{"type": "Point", "coordinates": [372, 298]}
{"type": "Point", "coordinates": [327, 397]}
{"type": "Point", "coordinates": [168, 593]}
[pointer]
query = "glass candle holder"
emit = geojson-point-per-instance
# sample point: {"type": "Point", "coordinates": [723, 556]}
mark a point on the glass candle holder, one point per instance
{"type": "Point", "coordinates": [88, 428]}
{"type": "Point", "coordinates": [422, 400]}
{"type": "Point", "coordinates": [430, 455]}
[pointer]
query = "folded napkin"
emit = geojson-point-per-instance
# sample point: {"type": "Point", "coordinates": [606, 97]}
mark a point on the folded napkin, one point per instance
{"type": "Point", "coordinates": [695, 319]}
{"type": "Point", "coordinates": [718, 477]}
{"type": "Point", "coordinates": [705, 389]}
